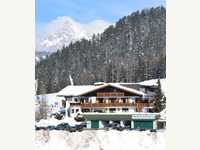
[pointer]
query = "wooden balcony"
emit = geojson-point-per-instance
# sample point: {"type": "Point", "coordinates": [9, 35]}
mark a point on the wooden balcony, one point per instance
{"type": "Point", "coordinates": [102, 104]}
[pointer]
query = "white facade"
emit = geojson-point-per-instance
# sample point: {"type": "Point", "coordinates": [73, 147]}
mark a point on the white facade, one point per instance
{"type": "Point", "coordinates": [74, 110]}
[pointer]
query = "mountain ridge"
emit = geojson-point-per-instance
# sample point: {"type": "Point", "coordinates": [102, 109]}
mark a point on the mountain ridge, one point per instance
{"type": "Point", "coordinates": [64, 30]}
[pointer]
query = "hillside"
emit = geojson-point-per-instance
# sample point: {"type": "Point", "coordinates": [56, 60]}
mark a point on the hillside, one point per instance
{"type": "Point", "coordinates": [132, 50]}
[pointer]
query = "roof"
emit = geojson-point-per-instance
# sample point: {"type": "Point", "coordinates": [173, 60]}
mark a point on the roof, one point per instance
{"type": "Point", "coordinates": [77, 90]}
{"type": "Point", "coordinates": [154, 82]}
{"type": "Point", "coordinates": [127, 89]}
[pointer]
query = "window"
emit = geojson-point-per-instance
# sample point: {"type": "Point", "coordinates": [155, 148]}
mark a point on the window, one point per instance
{"type": "Point", "coordinates": [63, 103]}
{"type": "Point", "coordinates": [76, 99]}
{"type": "Point", "coordinates": [85, 110]}
{"type": "Point", "coordinates": [100, 100]}
{"type": "Point", "coordinates": [77, 110]}
{"type": "Point", "coordinates": [124, 101]}
{"type": "Point", "coordinates": [72, 110]}
{"type": "Point", "coordinates": [112, 110]}
{"type": "Point", "coordinates": [112, 100]}
{"type": "Point", "coordinates": [124, 109]}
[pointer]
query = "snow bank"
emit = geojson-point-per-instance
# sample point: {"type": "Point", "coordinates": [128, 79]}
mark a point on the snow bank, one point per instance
{"type": "Point", "coordinates": [100, 140]}
{"type": "Point", "coordinates": [55, 122]}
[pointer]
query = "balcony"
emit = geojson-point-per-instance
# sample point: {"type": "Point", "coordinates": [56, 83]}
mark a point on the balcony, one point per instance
{"type": "Point", "coordinates": [102, 104]}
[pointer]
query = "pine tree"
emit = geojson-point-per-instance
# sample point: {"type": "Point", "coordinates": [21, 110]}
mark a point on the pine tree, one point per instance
{"type": "Point", "coordinates": [163, 102]}
{"type": "Point", "coordinates": [159, 99]}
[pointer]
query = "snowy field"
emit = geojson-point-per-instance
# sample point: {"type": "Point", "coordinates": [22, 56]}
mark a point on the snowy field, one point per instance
{"type": "Point", "coordinates": [100, 140]}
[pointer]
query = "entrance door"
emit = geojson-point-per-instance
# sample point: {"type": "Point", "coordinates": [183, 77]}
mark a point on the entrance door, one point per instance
{"type": "Point", "coordinates": [143, 124]}
{"type": "Point", "coordinates": [95, 124]}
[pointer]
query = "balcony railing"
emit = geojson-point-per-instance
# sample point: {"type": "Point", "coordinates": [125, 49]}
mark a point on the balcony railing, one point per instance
{"type": "Point", "coordinates": [102, 104]}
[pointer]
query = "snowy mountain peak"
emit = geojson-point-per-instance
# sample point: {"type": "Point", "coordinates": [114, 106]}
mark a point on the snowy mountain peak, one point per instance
{"type": "Point", "coordinates": [64, 30]}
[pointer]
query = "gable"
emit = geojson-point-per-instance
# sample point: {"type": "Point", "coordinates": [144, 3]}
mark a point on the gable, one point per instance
{"type": "Point", "coordinates": [112, 90]}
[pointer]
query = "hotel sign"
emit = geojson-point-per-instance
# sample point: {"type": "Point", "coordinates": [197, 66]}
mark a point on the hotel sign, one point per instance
{"type": "Point", "coordinates": [109, 94]}
{"type": "Point", "coordinates": [144, 116]}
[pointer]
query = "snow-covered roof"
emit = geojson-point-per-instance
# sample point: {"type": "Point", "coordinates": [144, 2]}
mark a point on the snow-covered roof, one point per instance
{"type": "Point", "coordinates": [77, 90]}
{"type": "Point", "coordinates": [154, 82]}
{"type": "Point", "coordinates": [117, 86]}
{"type": "Point", "coordinates": [127, 89]}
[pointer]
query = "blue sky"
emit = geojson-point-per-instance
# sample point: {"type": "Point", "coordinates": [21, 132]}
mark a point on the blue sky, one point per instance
{"type": "Point", "coordinates": [85, 11]}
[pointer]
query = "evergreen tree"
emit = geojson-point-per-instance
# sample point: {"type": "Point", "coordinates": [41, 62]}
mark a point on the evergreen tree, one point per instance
{"type": "Point", "coordinates": [159, 99]}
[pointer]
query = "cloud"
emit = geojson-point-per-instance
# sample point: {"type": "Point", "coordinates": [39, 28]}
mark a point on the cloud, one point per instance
{"type": "Point", "coordinates": [64, 30]}
{"type": "Point", "coordinates": [97, 26]}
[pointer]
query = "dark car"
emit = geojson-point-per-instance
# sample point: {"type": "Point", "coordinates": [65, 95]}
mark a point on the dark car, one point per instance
{"type": "Point", "coordinates": [110, 125]}
{"type": "Point", "coordinates": [142, 129]}
{"type": "Point", "coordinates": [115, 125]}
{"type": "Point", "coordinates": [72, 129]}
{"type": "Point", "coordinates": [63, 126]}
{"type": "Point", "coordinates": [127, 127]}
{"type": "Point", "coordinates": [41, 128]}
{"type": "Point", "coordinates": [51, 127]}
{"type": "Point", "coordinates": [37, 128]}
{"type": "Point", "coordinates": [79, 118]}
{"type": "Point", "coordinates": [57, 115]}
{"type": "Point", "coordinates": [153, 130]}
{"type": "Point", "coordinates": [79, 127]}
{"type": "Point", "coordinates": [120, 128]}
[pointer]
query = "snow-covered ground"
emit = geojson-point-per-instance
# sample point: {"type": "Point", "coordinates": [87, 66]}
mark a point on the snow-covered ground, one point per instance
{"type": "Point", "coordinates": [100, 140]}
{"type": "Point", "coordinates": [55, 122]}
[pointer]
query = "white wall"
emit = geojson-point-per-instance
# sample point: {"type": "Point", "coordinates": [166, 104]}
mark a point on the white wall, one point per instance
{"type": "Point", "coordinates": [74, 108]}
{"type": "Point", "coordinates": [101, 124]}
{"type": "Point", "coordinates": [88, 125]}
{"type": "Point", "coordinates": [93, 99]}
{"type": "Point", "coordinates": [155, 124]}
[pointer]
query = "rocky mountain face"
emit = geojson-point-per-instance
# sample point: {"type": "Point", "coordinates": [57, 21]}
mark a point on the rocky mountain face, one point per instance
{"type": "Point", "coordinates": [132, 50]}
{"type": "Point", "coordinates": [64, 30]}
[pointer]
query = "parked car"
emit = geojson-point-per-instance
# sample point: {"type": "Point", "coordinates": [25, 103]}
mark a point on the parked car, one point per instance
{"type": "Point", "coordinates": [153, 130]}
{"type": "Point", "coordinates": [72, 129]}
{"type": "Point", "coordinates": [51, 127]}
{"type": "Point", "coordinates": [63, 126]}
{"type": "Point", "coordinates": [115, 125]}
{"type": "Point", "coordinates": [37, 128]}
{"type": "Point", "coordinates": [127, 127]}
{"type": "Point", "coordinates": [142, 129]}
{"type": "Point", "coordinates": [120, 128]}
{"type": "Point", "coordinates": [57, 115]}
{"type": "Point", "coordinates": [79, 118]}
{"type": "Point", "coordinates": [40, 128]}
{"type": "Point", "coordinates": [79, 127]}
